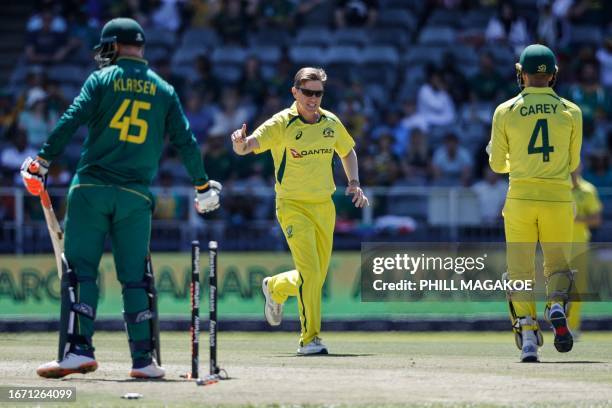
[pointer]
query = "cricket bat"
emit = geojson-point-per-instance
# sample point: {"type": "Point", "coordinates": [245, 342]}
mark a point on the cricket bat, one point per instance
{"type": "Point", "coordinates": [55, 231]}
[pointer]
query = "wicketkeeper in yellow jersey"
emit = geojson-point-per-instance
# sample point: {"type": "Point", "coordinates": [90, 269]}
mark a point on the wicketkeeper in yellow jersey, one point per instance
{"type": "Point", "coordinates": [536, 137]}
{"type": "Point", "coordinates": [303, 140]}
{"type": "Point", "coordinates": [588, 215]}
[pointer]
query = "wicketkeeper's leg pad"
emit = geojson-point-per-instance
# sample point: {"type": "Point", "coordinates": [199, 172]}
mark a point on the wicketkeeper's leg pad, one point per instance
{"type": "Point", "coordinates": [71, 311]}
{"type": "Point", "coordinates": [559, 286]}
{"type": "Point", "coordinates": [523, 324]}
{"type": "Point", "coordinates": [520, 323]}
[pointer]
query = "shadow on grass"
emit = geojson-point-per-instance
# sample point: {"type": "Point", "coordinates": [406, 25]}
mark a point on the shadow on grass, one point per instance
{"type": "Point", "coordinates": [323, 355]}
{"type": "Point", "coordinates": [565, 362]}
{"type": "Point", "coordinates": [574, 362]}
{"type": "Point", "coordinates": [126, 380]}
{"type": "Point", "coordinates": [139, 380]}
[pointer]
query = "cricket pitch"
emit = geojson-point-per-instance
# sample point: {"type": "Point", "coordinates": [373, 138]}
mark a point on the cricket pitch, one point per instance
{"type": "Point", "coordinates": [363, 369]}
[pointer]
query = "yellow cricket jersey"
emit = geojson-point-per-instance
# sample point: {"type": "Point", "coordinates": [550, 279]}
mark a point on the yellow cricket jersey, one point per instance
{"type": "Point", "coordinates": [536, 137]}
{"type": "Point", "coordinates": [303, 152]}
{"type": "Point", "coordinates": [587, 203]}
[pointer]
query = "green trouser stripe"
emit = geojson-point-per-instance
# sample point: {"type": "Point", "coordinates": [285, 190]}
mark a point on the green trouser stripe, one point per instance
{"type": "Point", "coordinates": [302, 300]}
{"type": "Point", "coordinates": [281, 168]}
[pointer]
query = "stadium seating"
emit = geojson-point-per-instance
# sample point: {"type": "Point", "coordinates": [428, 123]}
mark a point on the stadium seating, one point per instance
{"type": "Point", "coordinates": [187, 54]}
{"type": "Point", "coordinates": [434, 35]}
{"type": "Point", "coordinates": [267, 54]}
{"type": "Point", "coordinates": [313, 36]}
{"type": "Point", "coordinates": [397, 18]}
{"type": "Point", "coordinates": [389, 60]}
{"type": "Point", "coordinates": [307, 55]}
{"type": "Point", "coordinates": [229, 55]}
{"type": "Point", "coordinates": [270, 37]}
{"type": "Point", "coordinates": [68, 74]}
{"type": "Point", "coordinates": [396, 37]}
{"type": "Point", "coordinates": [162, 38]}
{"type": "Point", "coordinates": [350, 36]}
{"type": "Point", "coordinates": [228, 73]}
{"type": "Point", "coordinates": [422, 54]}
{"type": "Point", "coordinates": [200, 37]}
{"type": "Point", "coordinates": [156, 52]}
{"type": "Point", "coordinates": [444, 18]}
{"type": "Point", "coordinates": [322, 15]}
{"type": "Point", "coordinates": [584, 34]}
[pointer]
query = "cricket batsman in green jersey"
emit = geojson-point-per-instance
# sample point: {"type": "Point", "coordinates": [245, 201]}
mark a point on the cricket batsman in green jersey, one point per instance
{"type": "Point", "coordinates": [128, 110]}
{"type": "Point", "coordinates": [536, 138]}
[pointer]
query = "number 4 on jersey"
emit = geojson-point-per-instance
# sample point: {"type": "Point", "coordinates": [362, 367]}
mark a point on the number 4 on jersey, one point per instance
{"type": "Point", "coordinates": [123, 122]}
{"type": "Point", "coordinates": [545, 149]}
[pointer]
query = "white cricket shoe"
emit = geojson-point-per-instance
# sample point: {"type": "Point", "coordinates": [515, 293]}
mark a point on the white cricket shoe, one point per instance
{"type": "Point", "coordinates": [314, 347]}
{"type": "Point", "coordinates": [272, 310]}
{"type": "Point", "coordinates": [150, 371]}
{"type": "Point", "coordinates": [529, 351]}
{"type": "Point", "coordinates": [71, 364]}
{"type": "Point", "coordinates": [528, 339]}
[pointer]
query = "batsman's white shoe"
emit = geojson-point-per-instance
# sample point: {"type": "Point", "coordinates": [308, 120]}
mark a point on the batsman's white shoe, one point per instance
{"type": "Point", "coordinates": [150, 371]}
{"type": "Point", "coordinates": [272, 310]}
{"type": "Point", "coordinates": [314, 347]}
{"type": "Point", "coordinates": [528, 339]}
{"type": "Point", "coordinates": [529, 351]}
{"type": "Point", "coordinates": [71, 364]}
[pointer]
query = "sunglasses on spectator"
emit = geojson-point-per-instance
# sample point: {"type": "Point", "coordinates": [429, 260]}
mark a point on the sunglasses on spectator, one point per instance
{"type": "Point", "coordinates": [310, 92]}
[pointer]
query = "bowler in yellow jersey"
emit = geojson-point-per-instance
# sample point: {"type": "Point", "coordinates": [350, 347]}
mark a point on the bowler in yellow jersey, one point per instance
{"type": "Point", "coordinates": [536, 138]}
{"type": "Point", "coordinates": [303, 140]}
{"type": "Point", "coordinates": [588, 215]}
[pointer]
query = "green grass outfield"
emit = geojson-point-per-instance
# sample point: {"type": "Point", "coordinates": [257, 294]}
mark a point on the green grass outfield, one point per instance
{"type": "Point", "coordinates": [363, 369]}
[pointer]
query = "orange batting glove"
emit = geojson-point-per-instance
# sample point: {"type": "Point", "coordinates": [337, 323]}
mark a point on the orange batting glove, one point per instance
{"type": "Point", "coordinates": [34, 175]}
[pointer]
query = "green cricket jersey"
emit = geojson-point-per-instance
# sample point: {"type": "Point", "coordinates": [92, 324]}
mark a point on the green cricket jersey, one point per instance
{"type": "Point", "coordinates": [128, 109]}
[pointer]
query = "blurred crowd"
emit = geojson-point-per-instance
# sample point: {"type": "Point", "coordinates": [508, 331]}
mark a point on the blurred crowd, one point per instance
{"type": "Point", "coordinates": [415, 82]}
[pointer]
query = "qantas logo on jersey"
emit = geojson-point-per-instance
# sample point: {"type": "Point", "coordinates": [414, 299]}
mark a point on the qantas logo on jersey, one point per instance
{"type": "Point", "coordinates": [303, 153]}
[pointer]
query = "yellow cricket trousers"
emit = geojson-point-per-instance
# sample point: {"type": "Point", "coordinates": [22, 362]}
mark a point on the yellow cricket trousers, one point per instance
{"type": "Point", "coordinates": [580, 265]}
{"type": "Point", "coordinates": [526, 222]}
{"type": "Point", "coordinates": [309, 230]}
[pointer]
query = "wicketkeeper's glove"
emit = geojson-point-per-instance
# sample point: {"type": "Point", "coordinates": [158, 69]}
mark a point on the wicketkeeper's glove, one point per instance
{"type": "Point", "coordinates": [207, 197]}
{"type": "Point", "coordinates": [34, 174]}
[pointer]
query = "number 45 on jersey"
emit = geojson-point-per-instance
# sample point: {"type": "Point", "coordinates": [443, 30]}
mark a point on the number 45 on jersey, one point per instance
{"type": "Point", "coordinates": [122, 122]}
